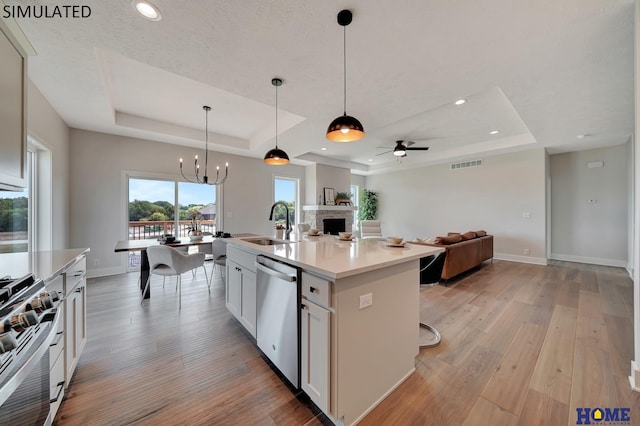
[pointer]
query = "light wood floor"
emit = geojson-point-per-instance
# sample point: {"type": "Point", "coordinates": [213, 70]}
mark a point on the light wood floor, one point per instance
{"type": "Point", "coordinates": [521, 345]}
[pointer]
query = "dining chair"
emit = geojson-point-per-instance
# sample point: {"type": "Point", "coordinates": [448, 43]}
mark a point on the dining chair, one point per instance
{"type": "Point", "coordinates": [302, 228]}
{"type": "Point", "coordinates": [219, 252]}
{"type": "Point", "coordinates": [370, 229]}
{"type": "Point", "coordinates": [167, 261]}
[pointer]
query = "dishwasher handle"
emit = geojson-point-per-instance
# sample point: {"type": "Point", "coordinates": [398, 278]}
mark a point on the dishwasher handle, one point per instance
{"type": "Point", "coordinates": [272, 272]}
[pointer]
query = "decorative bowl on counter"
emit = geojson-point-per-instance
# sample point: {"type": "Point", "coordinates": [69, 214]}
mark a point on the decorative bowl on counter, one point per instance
{"type": "Point", "coordinates": [195, 237]}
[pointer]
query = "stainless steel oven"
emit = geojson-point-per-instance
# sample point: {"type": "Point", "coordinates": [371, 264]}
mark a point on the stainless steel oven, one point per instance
{"type": "Point", "coordinates": [29, 321]}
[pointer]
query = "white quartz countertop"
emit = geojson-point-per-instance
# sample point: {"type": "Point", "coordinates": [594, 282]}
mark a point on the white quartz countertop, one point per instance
{"type": "Point", "coordinates": [330, 257]}
{"type": "Point", "coordinates": [42, 264]}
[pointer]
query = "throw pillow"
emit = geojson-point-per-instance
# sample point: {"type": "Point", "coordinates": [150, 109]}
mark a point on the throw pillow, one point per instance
{"type": "Point", "coordinates": [452, 233]}
{"type": "Point", "coordinates": [449, 239]}
{"type": "Point", "coordinates": [481, 233]}
{"type": "Point", "coordinates": [468, 236]}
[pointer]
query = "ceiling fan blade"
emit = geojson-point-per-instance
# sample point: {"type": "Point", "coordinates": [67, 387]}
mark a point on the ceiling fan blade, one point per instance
{"type": "Point", "coordinates": [386, 152]}
{"type": "Point", "coordinates": [418, 148]}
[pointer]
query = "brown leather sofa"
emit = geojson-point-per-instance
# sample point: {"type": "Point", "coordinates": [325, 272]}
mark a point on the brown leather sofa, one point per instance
{"type": "Point", "coordinates": [463, 255]}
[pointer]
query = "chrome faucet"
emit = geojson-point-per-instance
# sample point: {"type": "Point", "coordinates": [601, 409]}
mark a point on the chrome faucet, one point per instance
{"type": "Point", "coordinates": [287, 231]}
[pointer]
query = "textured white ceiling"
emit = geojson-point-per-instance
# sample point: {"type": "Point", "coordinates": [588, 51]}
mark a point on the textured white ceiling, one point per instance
{"type": "Point", "coordinates": [540, 72]}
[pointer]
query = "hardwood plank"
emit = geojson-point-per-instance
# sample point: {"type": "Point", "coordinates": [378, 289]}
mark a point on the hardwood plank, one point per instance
{"type": "Point", "coordinates": [153, 364]}
{"type": "Point", "coordinates": [593, 383]}
{"type": "Point", "coordinates": [543, 410]}
{"type": "Point", "coordinates": [553, 371]}
{"type": "Point", "coordinates": [591, 329]}
{"type": "Point", "coordinates": [486, 413]}
{"type": "Point", "coordinates": [508, 386]}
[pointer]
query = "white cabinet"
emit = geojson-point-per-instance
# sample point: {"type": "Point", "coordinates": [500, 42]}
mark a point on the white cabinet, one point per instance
{"type": "Point", "coordinates": [13, 112]}
{"type": "Point", "coordinates": [71, 335]}
{"type": "Point", "coordinates": [56, 352]}
{"type": "Point", "coordinates": [315, 353]}
{"type": "Point", "coordinates": [315, 336]}
{"type": "Point", "coordinates": [248, 301]}
{"type": "Point", "coordinates": [233, 287]}
{"type": "Point", "coordinates": [241, 287]}
{"type": "Point", "coordinates": [75, 316]}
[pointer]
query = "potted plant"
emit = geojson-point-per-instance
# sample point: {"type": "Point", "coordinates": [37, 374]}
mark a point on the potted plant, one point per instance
{"type": "Point", "coordinates": [195, 230]}
{"type": "Point", "coordinates": [343, 198]}
{"type": "Point", "coordinates": [280, 230]}
{"type": "Point", "coordinates": [368, 208]}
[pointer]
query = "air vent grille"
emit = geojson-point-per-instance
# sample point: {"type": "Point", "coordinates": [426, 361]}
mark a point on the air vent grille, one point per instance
{"type": "Point", "coordinates": [466, 164]}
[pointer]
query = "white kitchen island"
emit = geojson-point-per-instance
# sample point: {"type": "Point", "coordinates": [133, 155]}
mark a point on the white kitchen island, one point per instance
{"type": "Point", "coordinates": [352, 355]}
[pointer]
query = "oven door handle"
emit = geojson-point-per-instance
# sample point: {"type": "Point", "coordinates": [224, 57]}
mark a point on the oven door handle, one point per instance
{"type": "Point", "coordinates": [23, 370]}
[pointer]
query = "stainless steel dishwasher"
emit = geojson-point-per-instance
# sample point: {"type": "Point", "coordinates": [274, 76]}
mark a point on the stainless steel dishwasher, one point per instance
{"type": "Point", "coordinates": [277, 325]}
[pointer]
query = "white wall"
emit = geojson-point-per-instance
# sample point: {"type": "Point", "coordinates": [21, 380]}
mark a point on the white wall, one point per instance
{"type": "Point", "coordinates": [48, 129]}
{"type": "Point", "coordinates": [634, 377]}
{"type": "Point", "coordinates": [589, 206]}
{"type": "Point", "coordinates": [320, 176]}
{"type": "Point", "coordinates": [431, 201]}
{"type": "Point", "coordinates": [99, 163]}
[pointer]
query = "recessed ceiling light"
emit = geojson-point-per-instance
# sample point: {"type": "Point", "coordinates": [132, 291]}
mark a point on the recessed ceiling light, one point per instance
{"type": "Point", "coordinates": [493, 132]}
{"type": "Point", "coordinates": [323, 148]}
{"type": "Point", "coordinates": [147, 9]}
{"type": "Point", "coordinates": [370, 159]}
{"type": "Point", "coordinates": [460, 101]}
{"type": "Point", "coordinates": [580, 136]}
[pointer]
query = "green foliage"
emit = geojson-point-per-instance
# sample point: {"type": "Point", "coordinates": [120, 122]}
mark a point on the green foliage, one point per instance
{"type": "Point", "coordinates": [14, 214]}
{"type": "Point", "coordinates": [144, 210]}
{"type": "Point", "coordinates": [279, 213]}
{"type": "Point", "coordinates": [343, 195]}
{"type": "Point", "coordinates": [368, 207]}
{"type": "Point", "coordinates": [157, 217]}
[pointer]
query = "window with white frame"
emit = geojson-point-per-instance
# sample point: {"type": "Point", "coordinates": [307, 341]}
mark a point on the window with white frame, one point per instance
{"type": "Point", "coordinates": [286, 190]}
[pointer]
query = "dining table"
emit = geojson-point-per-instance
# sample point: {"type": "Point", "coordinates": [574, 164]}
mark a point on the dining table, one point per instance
{"type": "Point", "coordinates": [143, 245]}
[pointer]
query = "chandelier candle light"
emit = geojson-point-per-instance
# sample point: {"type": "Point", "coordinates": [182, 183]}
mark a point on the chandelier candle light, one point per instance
{"type": "Point", "coordinates": [205, 178]}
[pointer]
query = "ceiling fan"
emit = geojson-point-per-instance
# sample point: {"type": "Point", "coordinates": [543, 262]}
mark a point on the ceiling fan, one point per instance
{"type": "Point", "coordinates": [401, 148]}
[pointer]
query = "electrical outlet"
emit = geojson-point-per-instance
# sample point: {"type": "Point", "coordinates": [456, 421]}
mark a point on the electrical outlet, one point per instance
{"type": "Point", "coordinates": [526, 251]}
{"type": "Point", "coordinates": [526, 215]}
{"type": "Point", "coordinates": [366, 300]}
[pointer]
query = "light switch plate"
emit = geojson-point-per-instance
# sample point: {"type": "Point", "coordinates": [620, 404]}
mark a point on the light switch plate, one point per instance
{"type": "Point", "coordinates": [366, 300]}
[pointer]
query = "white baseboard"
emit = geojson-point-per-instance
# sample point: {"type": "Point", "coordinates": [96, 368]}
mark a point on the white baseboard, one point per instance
{"type": "Point", "coordinates": [634, 378]}
{"type": "Point", "coordinates": [590, 260]}
{"type": "Point", "coordinates": [521, 259]}
{"type": "Point", "coordinates": [104, 272]}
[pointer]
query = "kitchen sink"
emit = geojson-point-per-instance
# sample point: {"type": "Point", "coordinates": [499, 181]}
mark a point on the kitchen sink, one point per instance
{"type": "Point", "coordinates": [267, 241]}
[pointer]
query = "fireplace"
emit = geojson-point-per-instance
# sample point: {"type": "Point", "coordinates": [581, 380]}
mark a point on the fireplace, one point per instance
{"type": "Point", "coordinates": [333, 226]}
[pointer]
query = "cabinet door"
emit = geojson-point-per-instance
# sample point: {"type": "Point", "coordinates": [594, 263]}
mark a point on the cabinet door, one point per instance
{"type": "Point", "coordinates": [13, 112]}
{"type": "Point", "coordinates": [234, 288]}
{"type": "Point", "coordinates": [315, 353]}
{"type": "Point", "coordinates": [71, 311]}
{"type": "Point", "coordinates": [248, 301]}
{"type": "Point", "coordinates": [81, 317]}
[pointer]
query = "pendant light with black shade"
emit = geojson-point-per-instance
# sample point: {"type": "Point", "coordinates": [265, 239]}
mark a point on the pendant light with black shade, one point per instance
{"type": "Point", "coordinates": [345, 128]}
{"type": "Point", "coordinates": [276, 156]}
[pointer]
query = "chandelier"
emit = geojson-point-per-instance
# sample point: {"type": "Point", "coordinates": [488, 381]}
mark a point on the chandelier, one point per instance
{"type": "Point", "coordinates": [196, 167]}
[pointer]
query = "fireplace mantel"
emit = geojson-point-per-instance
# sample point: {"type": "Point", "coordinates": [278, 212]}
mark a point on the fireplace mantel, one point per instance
{"type": "Point", "coordinates": [329, 208]}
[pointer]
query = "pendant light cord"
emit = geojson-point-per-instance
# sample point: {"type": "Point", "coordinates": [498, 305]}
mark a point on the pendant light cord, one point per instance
{"type": "Point", "coordinates": [206, 141]}
{"type": "Point", "coordinates": [344, 61]}
{"type": "Point", "coordinates": [276, 116]}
